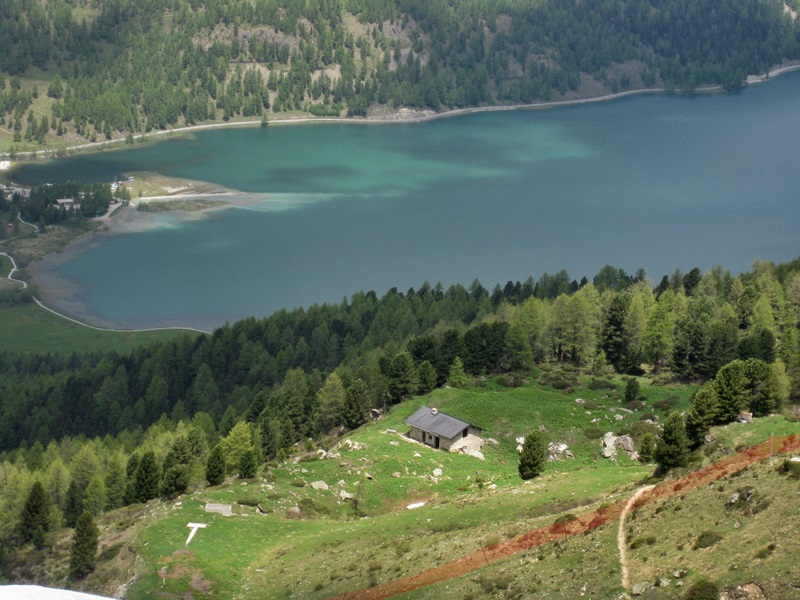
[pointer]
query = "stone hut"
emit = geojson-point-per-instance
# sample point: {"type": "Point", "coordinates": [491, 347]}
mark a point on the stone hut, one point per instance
{"type": "Point", "coordinates": [439, 430]}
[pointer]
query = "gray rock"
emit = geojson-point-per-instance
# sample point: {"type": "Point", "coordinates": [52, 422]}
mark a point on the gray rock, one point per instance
{"type": "Point", "coordinates": [319, 485]}
{"type": "Point", "coordinates": [345, 495]}
{"type": "Point", "coordinates": [437, 472]}
{"type": "Point", "coordinates": [608, 452]}
{"type": "Point", "coordinates": [625, 442]}
{"type": "Point", "coordinates": [640, 588]}
{"type": "Point", "coordinates": [663, 582]}
{"type": "Point", "coordinates": [396, 475]}
{"type": "Point", "coordinates": [680, 573]}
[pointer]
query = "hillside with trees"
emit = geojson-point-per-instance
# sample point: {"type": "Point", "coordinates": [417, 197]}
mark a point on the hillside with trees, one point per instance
{"type": "Point", "coordinates": [87, 437]}
{"type": "Point", "coordinates": [81, 70]}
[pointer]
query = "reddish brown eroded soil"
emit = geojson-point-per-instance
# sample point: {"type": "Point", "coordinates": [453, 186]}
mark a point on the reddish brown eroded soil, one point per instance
{"type": "Point", "coordinates": [592, 520]}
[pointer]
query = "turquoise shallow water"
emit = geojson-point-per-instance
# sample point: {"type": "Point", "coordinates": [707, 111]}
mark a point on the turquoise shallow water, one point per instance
{"type": "Point", "coordinates": [653, 181]}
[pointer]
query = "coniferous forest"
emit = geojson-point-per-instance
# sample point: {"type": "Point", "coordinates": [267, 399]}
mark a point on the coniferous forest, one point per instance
{"type": "Point", "coordinates": [103, 430]}
{"type": "Point", "coordinates": [113, 67]}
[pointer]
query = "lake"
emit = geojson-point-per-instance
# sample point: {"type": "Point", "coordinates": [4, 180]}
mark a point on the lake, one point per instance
{"type": "Point", "coordinates": [323, 210]}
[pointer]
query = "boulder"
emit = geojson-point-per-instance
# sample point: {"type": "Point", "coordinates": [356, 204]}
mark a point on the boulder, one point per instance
{"type": "Point", "coordinates": [437, 472]}
{"type": "Point", "coordinates": [640, 588]}
{"type": "Point", "coordinates": [417, 455]}
{"type": "Point", "coordinates": [473, 452]}
{"type": "Point", "coordinates": [319, 485]}
{"type": "Point", "coordinates": [396, 475]}
{"type": "Point", "coordinates": [745, 417]}
{"type": "Point", "coordinates": [608, 452]}
{"type": "Point", "coordinates": [625, 442]}
{"type": "Point", "coordinates": [345, 495]}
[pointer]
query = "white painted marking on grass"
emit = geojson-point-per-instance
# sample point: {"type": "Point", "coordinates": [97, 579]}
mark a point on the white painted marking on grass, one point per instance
{"type": "Point", "coordinates": [195, 527]}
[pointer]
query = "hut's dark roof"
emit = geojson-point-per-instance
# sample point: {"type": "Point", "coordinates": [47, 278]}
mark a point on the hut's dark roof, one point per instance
{"type": "Point", "coordinates": [437, 423]}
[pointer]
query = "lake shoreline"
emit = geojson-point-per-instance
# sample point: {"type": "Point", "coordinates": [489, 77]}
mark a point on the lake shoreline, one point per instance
{"type": "Point", "coordinates": [183, 191]}
{"type": "Point", "coordinates": [408, 116]}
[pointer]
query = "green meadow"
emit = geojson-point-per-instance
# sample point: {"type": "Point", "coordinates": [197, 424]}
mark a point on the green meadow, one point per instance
{"type": "Point", "coordinates": [29, 328]}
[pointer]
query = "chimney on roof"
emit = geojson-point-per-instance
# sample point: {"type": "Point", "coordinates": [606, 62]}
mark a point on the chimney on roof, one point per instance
{"type": "Point", "coordinates": [434, 411]}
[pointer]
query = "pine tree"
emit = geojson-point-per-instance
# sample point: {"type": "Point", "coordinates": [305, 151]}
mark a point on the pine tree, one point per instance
{"type": "Point", "coordinates": [534, 455]}
{"type": "Point", "coordinates": [703, 414]}
{"type": "Point", "coordinates": [176, 480]}
{"type": "Point", "coordinates": [84, 546]}
{"type": "Point", "coordinates": [215, 468]}
{"type": "Point", "coordinates": [248, 465]}
{"type": "Point", "coordinates": [355, 404]}
{"type": "Point", "coordinates": [147, 478]}
{"type": "Point", "coordinates": [34, 520]}
{"type": "Point", "coordinates": [458, 377]}
{"type": "Point", "coordinates": [73, 504]}
{"type": "Point", "coordinates": [632, 390]}
{"type": "Point", "coordinates": [646, 448]}
{"type": "Point", "coordinates": [672, 448]}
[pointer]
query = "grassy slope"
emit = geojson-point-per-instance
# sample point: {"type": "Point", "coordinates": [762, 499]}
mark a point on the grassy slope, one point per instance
{"type": "Point", "coordinates": [314, 545]}
{"type": "Point", "coordinates": [28, 328]}
{"type": "Point", "coordinates": [328, 551]}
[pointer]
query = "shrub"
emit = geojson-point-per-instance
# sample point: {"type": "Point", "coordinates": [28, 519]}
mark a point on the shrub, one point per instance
{"type": "Point", "coordinates": [590, 405]}
{"type": "Point", "coordinates": [559, 379]}
{"type": "Point", "coordinates": [307, 458]}
{"type": "Point", "coordinates": [766, 550]}
{"type": "Point", "coordinates": [666, 403]}
{"type": "Point", "coordinates": [593, 433]}
{"type": "Point", "coordinates": [298, 483]}
{"type": "Point", "coordinates": [790, 469]}
{"type": "Point", "coordinates": [702, 590]}
{"type": "Point", "coordinates": [248, 501]}
{"type": "Point", "coordinates": [648, 416]}
{"type": "Point", "coordinates": [635, 405]}
{"type": "Point", "coordinates": [641, 541]}
{"type": "Point", "coordinates": [510, 381]}
{"type": "Point", "coordinates": [706, 540]}
{"type": "Point", "coordinates": [601, 384]}
{"type": "Point", "coordinates": [311, 505]}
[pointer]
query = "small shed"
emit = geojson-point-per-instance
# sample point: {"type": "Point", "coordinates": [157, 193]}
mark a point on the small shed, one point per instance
{"type": "Point", "coordinates": [439, 430]}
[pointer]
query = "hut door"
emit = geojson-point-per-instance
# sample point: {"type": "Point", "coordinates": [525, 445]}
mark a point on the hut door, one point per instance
{"type": "Point", "coordinates": [436, 442]}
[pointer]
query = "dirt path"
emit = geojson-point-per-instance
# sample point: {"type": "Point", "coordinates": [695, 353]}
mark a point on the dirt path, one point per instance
{"type": "Point", "coordinates": [587, 522]}
{"type": "Point", "coordinates": [622, 542]}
